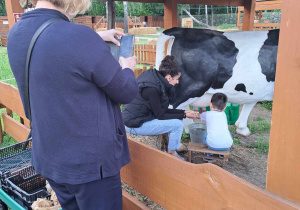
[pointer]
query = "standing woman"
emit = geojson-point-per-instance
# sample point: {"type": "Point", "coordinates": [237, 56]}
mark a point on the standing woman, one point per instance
{"type": "Point", "coordinates": [75, 87]}
{"type": "Point", "coordinates": [148, 113]}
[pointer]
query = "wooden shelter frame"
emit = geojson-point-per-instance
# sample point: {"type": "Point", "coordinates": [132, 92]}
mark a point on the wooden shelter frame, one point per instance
{"type": "Point", "coordinates": [178, 185]}
{"type": "Point", "coordinates": [259, 7]}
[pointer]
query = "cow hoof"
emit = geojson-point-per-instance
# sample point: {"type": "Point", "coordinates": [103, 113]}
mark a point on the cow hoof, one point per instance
{"type": "Point", "coordinates": [187, 130]}
{"type": "Point", "coordinates": [243, 131]}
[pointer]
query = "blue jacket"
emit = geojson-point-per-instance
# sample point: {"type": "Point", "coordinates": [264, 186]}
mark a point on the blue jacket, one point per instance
{"type": "Point", "coordinates": [75, 88]}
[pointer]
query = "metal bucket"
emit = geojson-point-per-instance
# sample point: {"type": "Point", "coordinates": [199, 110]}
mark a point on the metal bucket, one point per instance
{"type": "Point", "coordinates": [197, 131]}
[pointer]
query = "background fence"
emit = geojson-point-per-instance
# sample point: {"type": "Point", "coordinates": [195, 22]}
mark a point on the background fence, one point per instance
{"type": "Point", "coordinates": [145, 53]}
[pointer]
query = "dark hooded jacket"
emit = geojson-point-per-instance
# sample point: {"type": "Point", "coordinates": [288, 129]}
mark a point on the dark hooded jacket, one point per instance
{"type": "Point", "coordinates": [140, 110]}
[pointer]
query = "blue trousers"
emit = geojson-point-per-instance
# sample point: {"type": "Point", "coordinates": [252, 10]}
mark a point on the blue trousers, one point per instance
{"type": "Point", "coordinates": [102, 194]}
{"type": "Point", "coordinates": [173, 127]}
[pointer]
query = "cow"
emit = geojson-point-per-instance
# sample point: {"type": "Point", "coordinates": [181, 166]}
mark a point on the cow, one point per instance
{"type": "Point", "coordinates": [240, 64]}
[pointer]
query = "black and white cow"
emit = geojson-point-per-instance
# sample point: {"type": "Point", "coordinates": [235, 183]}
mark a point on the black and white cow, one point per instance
{"type": "Point", "coordinates": [240, 64]}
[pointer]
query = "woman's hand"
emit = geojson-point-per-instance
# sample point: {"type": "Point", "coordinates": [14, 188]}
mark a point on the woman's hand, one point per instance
{"type": "Point", "coordinates": [128, 62]}
{"type": "Point", "coordinates": [109, 36]}
{"type": "Point", "coordinates": [191, 114]}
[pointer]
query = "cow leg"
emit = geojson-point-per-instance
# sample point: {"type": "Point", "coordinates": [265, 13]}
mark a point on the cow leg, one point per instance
{"type": "Point", "coordinates": [241, 123]}
{"type": "Point", "coordinates": [186, 123]}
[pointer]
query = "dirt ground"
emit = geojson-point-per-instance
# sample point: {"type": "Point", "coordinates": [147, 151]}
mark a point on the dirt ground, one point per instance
{"type": "Point", "coordinates": [245, 160]}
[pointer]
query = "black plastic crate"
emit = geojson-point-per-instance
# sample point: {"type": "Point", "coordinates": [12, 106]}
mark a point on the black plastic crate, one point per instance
{"type": "Point", "coordinates": [27, 190]}
{"type": "Point", "coordinates": [13, 157]}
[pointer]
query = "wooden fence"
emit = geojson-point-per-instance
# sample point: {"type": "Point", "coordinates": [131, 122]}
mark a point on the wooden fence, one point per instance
{"type": "Point", "coordinates": [145, 54]}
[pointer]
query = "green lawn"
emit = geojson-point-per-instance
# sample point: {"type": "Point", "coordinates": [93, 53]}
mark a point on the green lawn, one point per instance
{"type": "Point", "coordinates": [6, 74]}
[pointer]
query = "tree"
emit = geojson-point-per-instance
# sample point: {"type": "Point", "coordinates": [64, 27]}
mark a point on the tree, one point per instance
{"type": "Point", "coordinates": [3, 8]}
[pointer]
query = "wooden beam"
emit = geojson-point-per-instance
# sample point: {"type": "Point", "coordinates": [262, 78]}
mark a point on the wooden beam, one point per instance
{"type": "Point", "coordinates": [170, 14]}
{"type": "Point", "coordinates": [203, 2]}
{"type": "Point", "coordinates": [1, 133]}
{"type": "Point", "coordinates": [146, 1]}
{"type": "Point", "coordinates": [131, 203]}
{"type": "Point", "coordinates": [10, 98]}
{"type": "Point", "coordinates": [284, 157]}
{"type": "Point", "coordinates": [248, 19]}
{"type": "Point", "coordinates": [213, 2]}
{"type": "Point", "coordinates": [12, 6]}
{"type": "Point", "coordinates": [111, 14]}
{"type": "Point", "coordinates": [15, 129]}
{"type": "Point", "coordinates": [176, 184]}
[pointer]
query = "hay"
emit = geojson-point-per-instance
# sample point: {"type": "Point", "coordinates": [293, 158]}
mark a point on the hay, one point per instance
{"type": "Point", "coordinates": [142, 31]}
{"type": "Point", "coordinates": [105, 29]}
{"type": "Point", "coordinates": [153, 141]}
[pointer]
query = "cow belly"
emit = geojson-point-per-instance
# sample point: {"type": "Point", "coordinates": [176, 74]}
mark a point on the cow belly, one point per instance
{"type": "Point", "coordinates": [248, 84]}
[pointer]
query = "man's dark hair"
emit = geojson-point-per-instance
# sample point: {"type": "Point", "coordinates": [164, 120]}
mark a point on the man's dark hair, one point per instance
{"type": "Point", "coordinates": [219, 101]}
{"type": "Point", "coordinates": [168, 66]}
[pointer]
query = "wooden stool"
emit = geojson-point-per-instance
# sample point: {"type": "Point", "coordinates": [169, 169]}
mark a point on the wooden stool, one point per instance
{"type": "Point", "coordinates": [202, 148]}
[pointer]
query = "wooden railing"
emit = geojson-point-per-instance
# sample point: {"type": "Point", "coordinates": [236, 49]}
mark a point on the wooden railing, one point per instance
{"type": "Point", "coordinates": [145, 54]}
{"type": "Point", "coordinates": [137, 72]}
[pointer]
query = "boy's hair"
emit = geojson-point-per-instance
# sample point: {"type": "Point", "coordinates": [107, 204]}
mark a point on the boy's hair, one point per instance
{"type": "Point", "coordinates": [169, 67]}
{"type": "Point", "coordinates": [219, 101]}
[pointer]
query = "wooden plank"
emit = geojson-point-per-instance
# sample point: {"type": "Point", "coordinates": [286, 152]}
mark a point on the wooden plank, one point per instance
{"type": "Point", "coordinates": [213, 2]}
{"type": "Point", "coordinates": [10, 98]}
{"type": "Point", "coordinates": [203, 148]}
{"type": "Point", "coordinates": [111, 14]}
{"type": "Point", "coordinates": [284, 157]}
{"type": "Point", "coordinates": [12, 6]}
{"type": "Point", "coordinates": [208, 2]}
{"type": "Point", "coordinates": [1, 133]}
{"type": "Point", "coordinates": [170, 14]}
{"type": "Point", "coordinates": [175, 184]}
{"type": "Point", "coordinates": [15, 129]}
{"type": "Point", "coordinates": [266, 5]}
{"type": "Point", "coordinates": [131, 203]}
{"type": "Point", "coordinates": [248, 19]}
{"type": "Point", "coordinates": [263, 25]}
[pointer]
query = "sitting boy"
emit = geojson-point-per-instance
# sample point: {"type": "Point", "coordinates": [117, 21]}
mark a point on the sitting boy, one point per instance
{"type": "Point", "coordinates": [218, 136]}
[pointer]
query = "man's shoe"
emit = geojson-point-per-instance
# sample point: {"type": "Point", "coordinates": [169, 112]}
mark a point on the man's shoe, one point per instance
{"type": "Point", "coordinates": [178, 156]}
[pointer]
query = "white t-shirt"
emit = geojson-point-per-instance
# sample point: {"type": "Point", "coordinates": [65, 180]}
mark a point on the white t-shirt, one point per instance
{"type": "Point", "coordinates": [218, 135]}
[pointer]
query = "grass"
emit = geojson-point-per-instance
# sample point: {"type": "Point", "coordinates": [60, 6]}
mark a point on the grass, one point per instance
{"type": "Point", "coordinates": [267, 104]}
{"type": "Point", "coordinates": [140, 66]}
{"type": "Point", "coordinates": [236, 141]}
{"type": "Point", "coordinates": [226, 26]}
{"type": "Point", "coordinates": [7, 140]}
{"type": "Point", "coordinates": [260, 125]}
{"type": "Point", "coordinates": [6, 74]}
{"type": "Point", "coordinates": [262, 146]}
{"type": "Point", "coordinates": [185, 137]}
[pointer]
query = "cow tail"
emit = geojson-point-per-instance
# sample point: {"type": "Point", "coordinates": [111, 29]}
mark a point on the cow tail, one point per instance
{"type": "Point", "coordinates": [160, 48]}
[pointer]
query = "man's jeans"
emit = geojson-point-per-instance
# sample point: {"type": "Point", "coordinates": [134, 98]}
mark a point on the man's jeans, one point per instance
{"type": "Point", "coordinates": [173, 127]}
